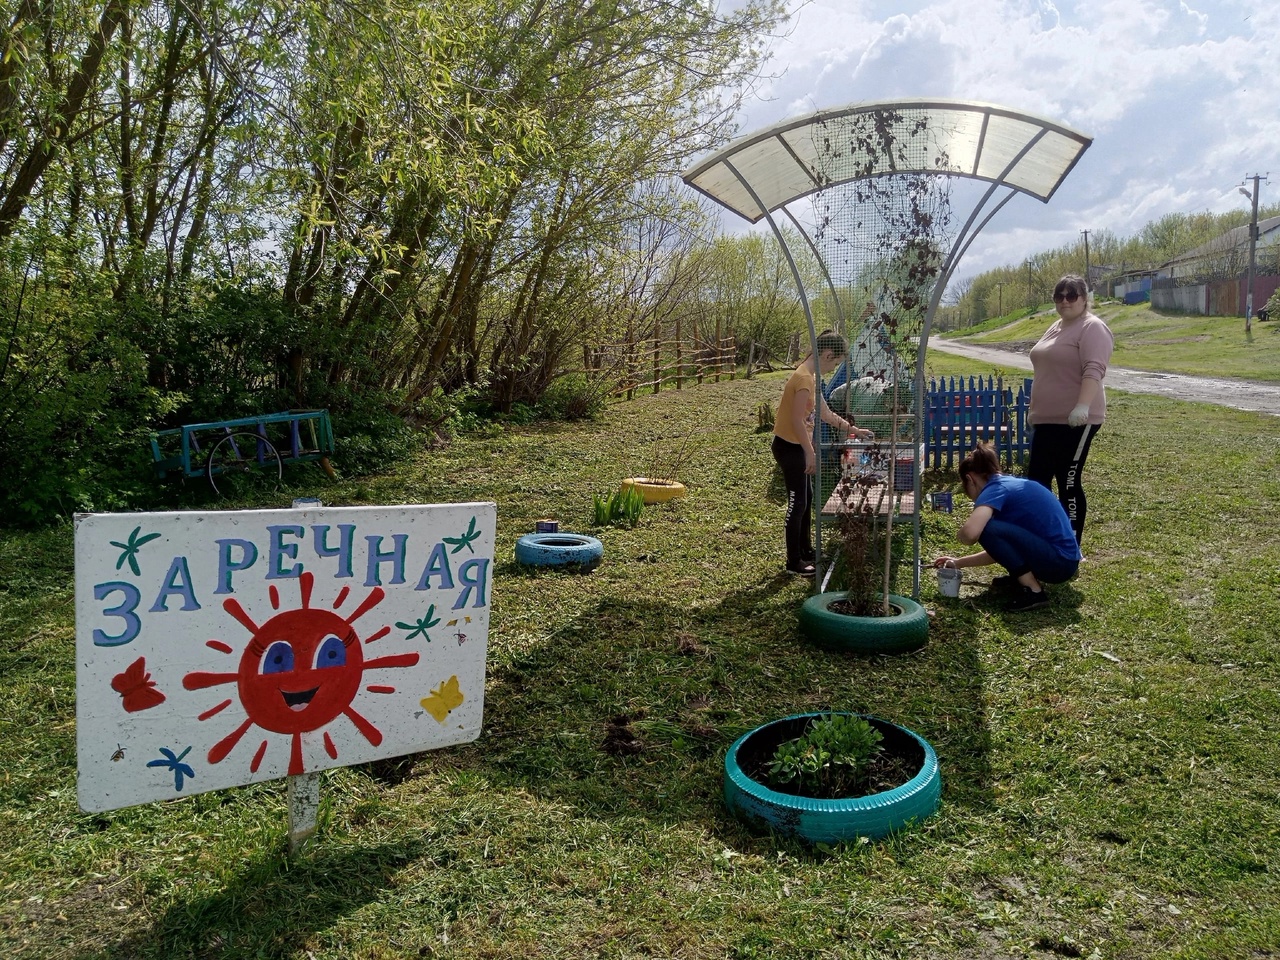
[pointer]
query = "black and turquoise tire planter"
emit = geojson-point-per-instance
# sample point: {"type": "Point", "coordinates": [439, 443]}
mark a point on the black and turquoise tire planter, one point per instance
{"type": "Point", "coordinates": [906, 630]}
{"type": "Point", "coordinates": [573, 550]}
{"type": "Point", "coordinates": [829, 821]}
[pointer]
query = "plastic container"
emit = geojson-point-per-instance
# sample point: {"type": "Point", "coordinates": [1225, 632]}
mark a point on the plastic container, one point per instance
{"type": "Point", "coordinates": [949, 579]}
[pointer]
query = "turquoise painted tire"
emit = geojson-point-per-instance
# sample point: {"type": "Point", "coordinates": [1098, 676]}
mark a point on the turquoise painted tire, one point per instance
{"type": "Point", "coordinates": [559, 550]}
{"type": "Point", "coordinates": [828, 821]}
{"type": "Point", "coordinates": [907, 631]}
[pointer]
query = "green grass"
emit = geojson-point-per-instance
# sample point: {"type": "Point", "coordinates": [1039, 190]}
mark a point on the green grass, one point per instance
{"type": "Point", "coordinates": [1149, 339]}
{"type": "Point", "coordinates": [1109, 764]}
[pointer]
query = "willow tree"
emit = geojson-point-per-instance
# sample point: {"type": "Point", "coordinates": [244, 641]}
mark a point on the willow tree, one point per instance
{"type": "Point", "coordinates": [446, 217]}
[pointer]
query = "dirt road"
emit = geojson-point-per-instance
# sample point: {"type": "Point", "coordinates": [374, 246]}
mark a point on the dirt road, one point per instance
{"type": "Point", "coordinates": [1239, 394]}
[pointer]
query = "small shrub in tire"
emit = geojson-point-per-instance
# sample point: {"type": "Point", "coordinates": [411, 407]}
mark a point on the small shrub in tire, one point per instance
{"type": "Point", "coordinates": [829, 821]}
{"type": "Point", "coordinates": [907, 630]}
{"type": "Point", "coordinates": [559, 550]}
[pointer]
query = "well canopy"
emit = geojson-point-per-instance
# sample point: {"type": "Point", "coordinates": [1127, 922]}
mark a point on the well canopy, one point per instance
{"type": "Point", "coordinates": [793, 158]}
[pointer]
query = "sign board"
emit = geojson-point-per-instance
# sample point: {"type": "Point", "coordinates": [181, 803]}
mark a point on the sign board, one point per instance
{"type": "Point", "coordinates": [224, 648]}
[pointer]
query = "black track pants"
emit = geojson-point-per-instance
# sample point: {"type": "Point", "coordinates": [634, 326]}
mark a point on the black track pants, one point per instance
{"type": "Point", "coordinates": [799, 535]}
{"type": "Point", "coordinates": [1058, 453]}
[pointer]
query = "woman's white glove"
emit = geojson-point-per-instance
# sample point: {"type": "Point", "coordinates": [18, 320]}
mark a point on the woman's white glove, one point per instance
{"type": "Point", "coordinates": [1078, 415]}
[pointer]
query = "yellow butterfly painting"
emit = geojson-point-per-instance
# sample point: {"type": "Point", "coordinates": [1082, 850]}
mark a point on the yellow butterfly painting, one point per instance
{"type": "Point", "coordinates": [443, 699]}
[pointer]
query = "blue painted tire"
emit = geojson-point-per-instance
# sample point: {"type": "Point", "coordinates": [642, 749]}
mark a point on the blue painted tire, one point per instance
{"type": "Point", "coordinates": [559, 550]}
{"type": "Point", "coordinates": [828, 821]}
{"type": "Point", "coordinates": [907, 631]}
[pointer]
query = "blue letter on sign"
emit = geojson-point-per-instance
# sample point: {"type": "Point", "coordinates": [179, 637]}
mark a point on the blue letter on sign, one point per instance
{"type": "Point", "coordinates": [226, 566]}
{"type": "Point", "coordinates": [177, 580]}
{"type": "Point", "coordinates": [125, 610]}
{"type": "Point", "coordinates": [472, 576]}
{"type": "Point", "coordinates": [279, 550]}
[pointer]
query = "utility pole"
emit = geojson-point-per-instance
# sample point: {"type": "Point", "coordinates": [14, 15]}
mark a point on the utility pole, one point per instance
{"type": "Point", "coordinates": [1031, 293]}
{"type": "Point", "coordinates": [1253, 251]}
{"type": "Point", "coordinates": [1000, 297]}
{"type": "Point", "coordinates": [1086, 257]}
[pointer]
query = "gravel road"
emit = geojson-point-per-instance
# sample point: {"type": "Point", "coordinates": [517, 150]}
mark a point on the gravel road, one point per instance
{"type": "Point", "coordinates": [1224, 391]}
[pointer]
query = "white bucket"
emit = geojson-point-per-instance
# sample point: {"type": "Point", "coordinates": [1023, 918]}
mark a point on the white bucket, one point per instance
{"type": "Point", "coordinates": [949, 581]}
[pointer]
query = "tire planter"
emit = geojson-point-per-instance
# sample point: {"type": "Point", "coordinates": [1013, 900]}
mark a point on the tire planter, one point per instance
{"type": "Point", "coordinates": [559, 550]}
{"type": "Point", "coordinates": [655, 491]}
{"type": "Point", "coordinates": [829, 821]}
{"type": "Point", "coordinates": [908, 630]}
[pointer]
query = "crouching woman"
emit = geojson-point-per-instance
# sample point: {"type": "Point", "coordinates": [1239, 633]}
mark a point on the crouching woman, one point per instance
{"type": "Point", "coordinates": [1020, 525]}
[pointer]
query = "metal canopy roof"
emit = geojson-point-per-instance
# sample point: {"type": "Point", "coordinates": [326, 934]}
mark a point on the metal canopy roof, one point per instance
{"type": "Point", "coordinates": [792, 159]}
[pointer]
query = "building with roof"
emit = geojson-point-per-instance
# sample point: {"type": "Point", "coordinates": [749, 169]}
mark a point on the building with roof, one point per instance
{"type": "Point", "coordinates": [1227, 255]}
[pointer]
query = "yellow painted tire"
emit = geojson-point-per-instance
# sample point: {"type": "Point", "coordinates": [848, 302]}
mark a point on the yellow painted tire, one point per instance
{"type": "Point", "coordinates": [655, 491]}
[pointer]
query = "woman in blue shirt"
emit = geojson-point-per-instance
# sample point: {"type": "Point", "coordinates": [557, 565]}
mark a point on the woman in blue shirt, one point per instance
{"type": "Point", "coordinates": [1020, 525]}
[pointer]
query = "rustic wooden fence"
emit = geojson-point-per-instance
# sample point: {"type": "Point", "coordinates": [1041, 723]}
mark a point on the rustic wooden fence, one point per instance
{"type": "Point", "coordinates": [652, 364]}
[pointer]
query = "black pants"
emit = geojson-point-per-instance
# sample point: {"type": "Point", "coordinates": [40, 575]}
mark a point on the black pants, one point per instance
{"type": "Point", "coordinates": [1058, 453]}
{"type": "Point", "coordinates": [799, 534]}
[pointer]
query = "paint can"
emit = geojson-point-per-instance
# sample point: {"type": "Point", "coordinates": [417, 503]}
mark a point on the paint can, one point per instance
{"type": "Point", "coordinates": [949, 578]}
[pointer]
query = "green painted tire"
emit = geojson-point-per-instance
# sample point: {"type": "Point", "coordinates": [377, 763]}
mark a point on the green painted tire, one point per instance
{"type": "Point", "coordinates": [907, 631]}
{"type": "Point", "coordinates": [828, 821]}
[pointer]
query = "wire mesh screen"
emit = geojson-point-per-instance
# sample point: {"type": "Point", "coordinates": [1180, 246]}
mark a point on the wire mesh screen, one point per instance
{"type": "Point", "coordinates": [882, 241]}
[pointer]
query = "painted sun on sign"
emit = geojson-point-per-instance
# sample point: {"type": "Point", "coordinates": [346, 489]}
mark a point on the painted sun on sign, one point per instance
{"type": "Point", "coordinates": [299, 672]}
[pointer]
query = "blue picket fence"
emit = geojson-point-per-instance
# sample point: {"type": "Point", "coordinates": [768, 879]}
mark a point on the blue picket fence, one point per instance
{"type": "Point", "coordinates": [960, 414]}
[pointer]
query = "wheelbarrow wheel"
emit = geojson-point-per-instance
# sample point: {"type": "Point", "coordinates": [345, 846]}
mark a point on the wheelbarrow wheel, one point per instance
{"type": "Point", "coordinates": [240, 455]}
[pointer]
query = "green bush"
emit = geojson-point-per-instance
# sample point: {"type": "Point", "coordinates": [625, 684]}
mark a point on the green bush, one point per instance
{"type": "Point", "coordinates": [573, 397]}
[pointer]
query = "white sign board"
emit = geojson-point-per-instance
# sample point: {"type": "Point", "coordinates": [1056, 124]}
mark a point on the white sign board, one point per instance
{"type": "Point", "coordinates": [219, 649]}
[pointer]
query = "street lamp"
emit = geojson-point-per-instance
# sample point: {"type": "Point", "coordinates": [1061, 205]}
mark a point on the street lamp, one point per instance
{"type": "Point", "coordinates": [1253, 251]}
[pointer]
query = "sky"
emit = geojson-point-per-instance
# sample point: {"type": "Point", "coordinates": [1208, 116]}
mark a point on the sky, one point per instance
{"type": "Point", "coordinates": [1182, 99]}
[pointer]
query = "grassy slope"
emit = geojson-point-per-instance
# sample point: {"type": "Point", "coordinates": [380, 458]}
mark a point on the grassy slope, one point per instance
{"type": "Point", "coordinates": [1148, 339]}
{"type": "Point", "coordinates": [1108, 764]}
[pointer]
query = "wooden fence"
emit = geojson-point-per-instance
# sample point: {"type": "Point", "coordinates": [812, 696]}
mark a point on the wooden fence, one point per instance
{"type": "Point", "coordinates": [652, 364]}
{"type": "Point", "coordinates": [959, 415]}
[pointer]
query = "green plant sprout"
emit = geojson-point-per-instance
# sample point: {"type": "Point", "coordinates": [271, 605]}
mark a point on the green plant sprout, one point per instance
{"type": "Point", "coordinates": [764, 417]}
{"type": "Point", "coordinates": [620, 509]}
{"type": "Point", "coordinates": [830, 759]}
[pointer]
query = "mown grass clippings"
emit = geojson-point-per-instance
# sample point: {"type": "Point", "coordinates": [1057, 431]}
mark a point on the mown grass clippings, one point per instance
{"type": "Point", "coordinates": [1108, 763]}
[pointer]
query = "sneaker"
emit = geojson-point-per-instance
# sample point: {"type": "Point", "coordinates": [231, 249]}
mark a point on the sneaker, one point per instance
{"type": "Point", "coordinates": [1028, 599]}
{"type": "Point", "coordinates": [804, 570]}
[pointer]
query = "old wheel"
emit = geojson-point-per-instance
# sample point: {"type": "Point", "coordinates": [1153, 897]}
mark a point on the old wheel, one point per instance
{"type": "Point", "coordinates": [240, 455]}
{"type": "Point", "coordinates": [829, 821]}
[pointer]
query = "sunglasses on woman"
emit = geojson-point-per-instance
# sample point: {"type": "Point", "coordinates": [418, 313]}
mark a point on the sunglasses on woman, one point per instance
{"type": "Point", "coordinates": [1070, 297]}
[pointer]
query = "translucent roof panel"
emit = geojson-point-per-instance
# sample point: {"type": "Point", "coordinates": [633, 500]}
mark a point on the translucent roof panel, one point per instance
{"type": "Point", "coordinates": [800, 156]}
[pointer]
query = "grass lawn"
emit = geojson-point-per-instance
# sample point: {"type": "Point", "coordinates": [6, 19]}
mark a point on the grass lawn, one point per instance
{"type": "Point", "coordinates": [1148, 339]}
{"type": "Point", "coordinates": [1109, 764]}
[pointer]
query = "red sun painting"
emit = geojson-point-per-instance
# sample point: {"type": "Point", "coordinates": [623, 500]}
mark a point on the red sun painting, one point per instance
{"type": "Point", "coordinates": [300, 671]}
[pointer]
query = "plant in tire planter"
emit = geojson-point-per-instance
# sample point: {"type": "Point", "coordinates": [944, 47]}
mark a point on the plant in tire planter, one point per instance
{"type": "Point", "coordinates": [659, 483]}
{"type": "Point", "coordinates": [860, 615]}
{"type": "Point", "coordinates": [654, 490]}
{"type": "Point", "coordinates": [898, 784]}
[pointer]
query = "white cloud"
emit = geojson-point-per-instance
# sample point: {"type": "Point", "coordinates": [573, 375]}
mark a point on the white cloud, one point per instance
{"type": "Point", "coordinates": [1181, 102]}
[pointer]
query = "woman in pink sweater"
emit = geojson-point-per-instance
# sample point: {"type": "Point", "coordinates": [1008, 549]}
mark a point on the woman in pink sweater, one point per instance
{"type": "Point", "coordinates": [1068, 402]}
